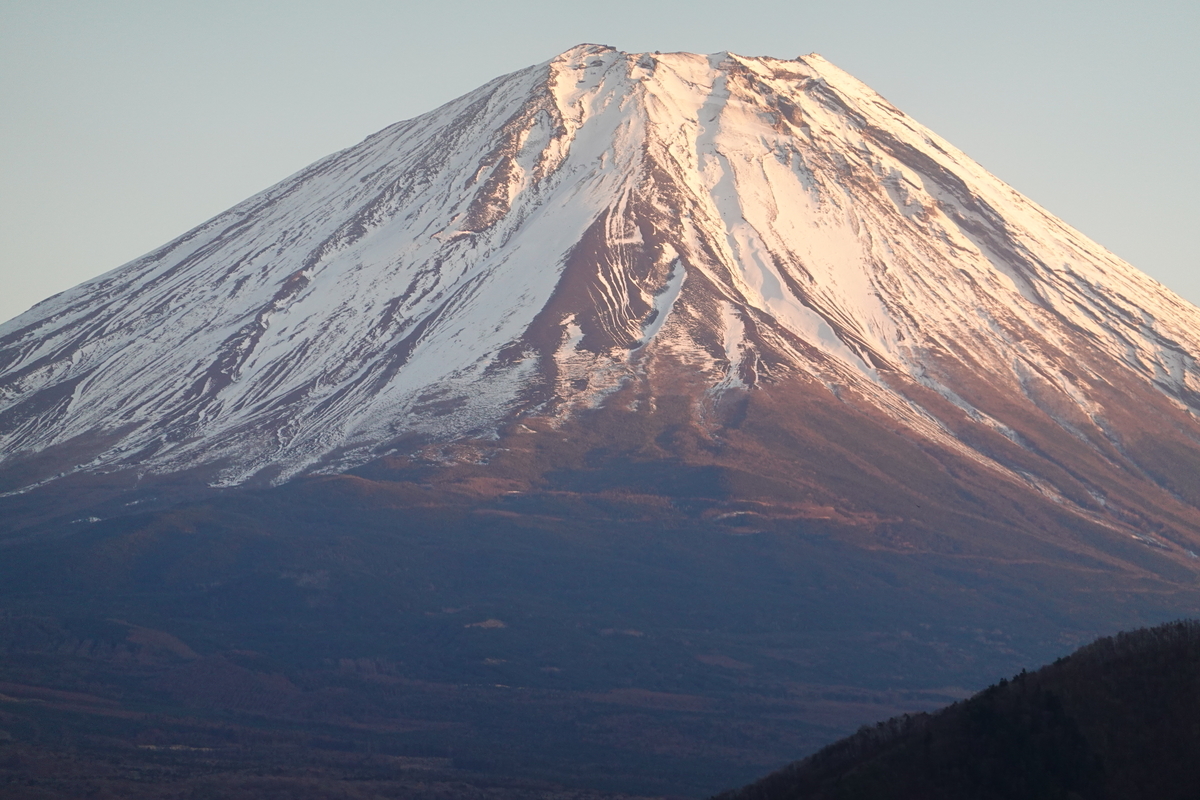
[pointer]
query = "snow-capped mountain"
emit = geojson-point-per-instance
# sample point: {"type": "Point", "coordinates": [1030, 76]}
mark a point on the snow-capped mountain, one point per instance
{"type": "Point", "coordinates": [615, 228]}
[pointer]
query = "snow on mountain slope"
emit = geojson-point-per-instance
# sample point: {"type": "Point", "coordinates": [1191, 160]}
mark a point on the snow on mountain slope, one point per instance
{"type": "Point", "coordinates": [537, 244]}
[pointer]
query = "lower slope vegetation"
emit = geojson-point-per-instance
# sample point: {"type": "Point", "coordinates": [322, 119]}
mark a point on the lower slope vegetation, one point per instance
{"type": "Point", "coordinates": [669, 643]}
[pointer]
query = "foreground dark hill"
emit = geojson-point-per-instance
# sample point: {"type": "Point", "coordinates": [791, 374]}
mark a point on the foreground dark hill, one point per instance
{"type": "Point", "coordinates": [1118, 719]}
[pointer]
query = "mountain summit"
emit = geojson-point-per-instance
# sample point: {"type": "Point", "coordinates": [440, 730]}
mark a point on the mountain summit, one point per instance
{"type": "Point", "coordinates": [729, 238]}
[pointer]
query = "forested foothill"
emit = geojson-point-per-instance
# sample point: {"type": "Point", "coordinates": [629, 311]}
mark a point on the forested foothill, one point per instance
{"type": "Point", "coordinates": [1120, 718]}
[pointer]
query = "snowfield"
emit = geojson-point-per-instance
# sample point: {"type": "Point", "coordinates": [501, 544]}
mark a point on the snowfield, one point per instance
{"type": "Point", "coordinates": [540, 242]}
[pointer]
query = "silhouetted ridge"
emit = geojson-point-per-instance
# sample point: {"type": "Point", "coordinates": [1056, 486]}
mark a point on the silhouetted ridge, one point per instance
{"type": "Point", "coordinates": [1120, 718]}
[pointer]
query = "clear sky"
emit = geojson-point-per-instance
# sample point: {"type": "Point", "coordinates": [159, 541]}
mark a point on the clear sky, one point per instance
{"type": "Point", "coordinates": [124, 123]}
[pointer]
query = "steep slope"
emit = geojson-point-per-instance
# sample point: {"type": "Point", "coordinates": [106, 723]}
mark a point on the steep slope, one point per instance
{"type": "Point", "coordinates": [704, 225]}
{"type": "Point", "coordinates": [1119, 718]}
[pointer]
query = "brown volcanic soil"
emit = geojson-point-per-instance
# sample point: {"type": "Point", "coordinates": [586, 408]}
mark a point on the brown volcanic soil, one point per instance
{"type": "Point", "coordinates": [646, 601]}
{"type": "Point", "coordinates": [794, 452]}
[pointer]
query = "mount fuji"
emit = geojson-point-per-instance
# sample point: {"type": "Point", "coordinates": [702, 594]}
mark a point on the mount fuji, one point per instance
{"type": "Point", "coordinates": [741, 297]}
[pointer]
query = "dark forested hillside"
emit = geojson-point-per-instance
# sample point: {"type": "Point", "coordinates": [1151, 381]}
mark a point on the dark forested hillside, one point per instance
{"type": "Point", "coordinates": [1119, 718]}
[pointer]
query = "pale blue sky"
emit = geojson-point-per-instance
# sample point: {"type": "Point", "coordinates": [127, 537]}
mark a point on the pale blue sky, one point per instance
{"type": "Point", "coordinates": [125, 123]}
